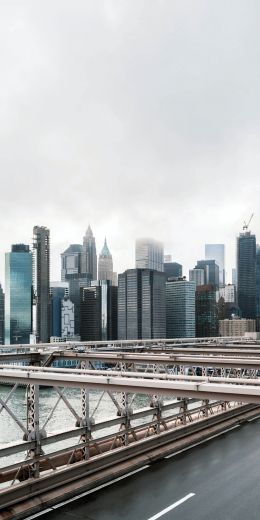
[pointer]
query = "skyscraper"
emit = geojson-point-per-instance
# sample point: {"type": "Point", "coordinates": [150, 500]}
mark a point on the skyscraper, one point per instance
{"type": "Point", "coordinates": [246, 274]}
{"type": "Point", "coordinates": [2, 316]}
{"type": "Point", "coordinates": [149, 254]}
{"type": "Point", "coordinates": [211, 272]}
{"type": "Point", "coordinates": [18, 296]}
{"type": "Point", "coordinates": [76, 283]}
{"type": "Point", "coordinates": [180, 309]}
{"type": "Point", "coordinates": [206, 312]}
{"type": "Point", "coordinates": [89, 255]}
{"type": "Point", "coordinates": [217, 252]}
{"type": "Point", "coordinates": [99, 312]}
{"type": "Point", "coordinates": [105, 264]}
{"type": "Point", "coordinates": [141, 304]}
{"type": "Point", "coordinates": [71, 261]}
{"type": "Point", "coordinates": [41, 244]}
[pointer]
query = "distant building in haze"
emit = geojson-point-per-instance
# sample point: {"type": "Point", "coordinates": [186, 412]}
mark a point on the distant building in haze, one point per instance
{"type": "Point", "coordinates": [246, 274]}
{"type": "Point", "coordinates": [41, 244]}
{"type": "Point", "coordinates": [172, 270]}
{"type": "Point", "coordinates": [71, 261]}
{"type": "Point", "coordinates": [149, 254]}
{"type": "Point", "coordinates": [141, 304]}
{"type": "Point", "coordinates": [197, 276]}
{"type": "Point", "coordinates": [105, 264]}
{"type": "Point", "coordinates": [211, 272]}
{"type": "Point", "coordinates": [18, 295]}
{"type": "Point", "coordinates": [217, 252]}
{"type": "Point", "coordinates": [89, 255]}
{"type": "Point", "coordinates": [180, 309]}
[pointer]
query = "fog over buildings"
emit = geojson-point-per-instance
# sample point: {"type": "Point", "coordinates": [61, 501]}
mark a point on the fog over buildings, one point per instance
{"type": "Point", "coordinates": [141, 118]}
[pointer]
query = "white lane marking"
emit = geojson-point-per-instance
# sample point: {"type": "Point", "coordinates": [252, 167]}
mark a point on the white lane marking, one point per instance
{"type": "Point", "coordinates": [176, 504]}
{"type": "Point", "coordinates": [201, 442]}
{"type": "Point", "coordinates": [254, 418]}
{"type": "Point", "coordinates": [99, 487]}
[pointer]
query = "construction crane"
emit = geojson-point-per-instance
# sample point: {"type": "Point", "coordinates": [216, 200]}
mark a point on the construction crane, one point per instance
{"type": "Point", "coordinates": [246, 225]}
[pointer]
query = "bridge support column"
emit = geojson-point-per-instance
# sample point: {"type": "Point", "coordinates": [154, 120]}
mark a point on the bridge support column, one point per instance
{"type": "Point", "coordinates": [33, 427]}
{"type": "Point", "coordinates": [86, 420]}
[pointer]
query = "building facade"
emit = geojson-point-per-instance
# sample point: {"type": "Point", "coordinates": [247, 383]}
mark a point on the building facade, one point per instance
{"type": "Point", "coordinates": [206, 312]}
{"type": "Point", "coordinates": [180, 309]}
{"type": "Point", "coordinates": [141, 304]}
{"type": "Point", "coordinates": [228, 293]}
{"type": "Point", "coordinates": [89, 255]}
{"type": "Point", "coordinates": [18, 295]}
{"type": "Point", "coordinates": [236, 327]}
{"type": "Point", "coordinates": [67, 318]}
{"type": "Point", "coordinates": [58, 291]}
{"type": "Point", "coordinates": [197, 276]}
{"type": "Point", "coordinates": [71, 261]}
{"type": "Point", "coordinates": [246, 274]}
{"type": "Point", "coordinates": [172, 270]}
{"type": "Point", "coordinates": [105, 264]}
{"type": "Point", "coordinates": [149, 254]}
{"type": "Point", "coordinates": [217, 252]}
{"type": "Point", "coordinates": [76, 283]}
{"type": "Point", "coordinates": [99, 312]}
{"type": "Point", "coordinates": [211, 272]}
{"type": "Point", "coordinates": [41, 245]}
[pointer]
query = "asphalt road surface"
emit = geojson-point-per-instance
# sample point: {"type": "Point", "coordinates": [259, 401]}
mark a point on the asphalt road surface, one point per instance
{"type": "Point", "coordinates": [217, 480]}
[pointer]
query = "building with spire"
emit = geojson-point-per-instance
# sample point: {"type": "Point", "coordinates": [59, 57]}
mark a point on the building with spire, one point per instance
{"type": "Point", "coordinates": [105, 264]}
{"type": "Point", "coordinates": [89, 255]}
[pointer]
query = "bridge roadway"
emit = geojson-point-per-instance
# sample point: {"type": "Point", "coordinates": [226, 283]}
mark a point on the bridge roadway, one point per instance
{"type": "Point", "coordinates": [218, 480]}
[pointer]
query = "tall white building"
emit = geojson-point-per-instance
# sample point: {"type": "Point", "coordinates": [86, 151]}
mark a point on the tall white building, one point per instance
{"type": "Point", "coordinates": [149, 254]}
{"type": "Point", "coordinates": [217, 252]}
{"type": "Point", "coordinates": [228, 293]}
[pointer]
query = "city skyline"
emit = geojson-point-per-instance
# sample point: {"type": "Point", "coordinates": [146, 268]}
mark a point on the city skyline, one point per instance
{"type": "Point", "coordinates": [139, 125]}
{"type": "Point", "coordinates": [55, 252]}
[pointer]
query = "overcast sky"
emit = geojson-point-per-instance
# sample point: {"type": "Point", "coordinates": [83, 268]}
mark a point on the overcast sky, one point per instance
{"type": "Point", "coordinates": [140, 117]}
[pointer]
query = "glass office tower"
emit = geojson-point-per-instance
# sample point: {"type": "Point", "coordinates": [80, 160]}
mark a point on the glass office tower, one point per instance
{"type": "Point", "coordinates": [246, 274]}
{"type": "Point", "coordinates": [18, 296]}
{"type": "Point", "coordinates": [217, 252]}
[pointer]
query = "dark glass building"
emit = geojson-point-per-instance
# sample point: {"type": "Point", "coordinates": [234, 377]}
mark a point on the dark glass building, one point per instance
{"type": "Point", "coordinates": [246, 274]}
{"type": "Point", "coordinates": [2, 316]}
{"type": "Point", "coordinates": [211, 272]}
{"type": "Point", "coordinates": [206, 312]}
{"type": "Point", "coordinates": [41, 244]}
{"type": "Point", "coordinates": [172, 270]}
{"type": "Point", "coordinates": [18, 296]}
{"type": "Point", "coordinates": [99, 312]}
{"type": "Point", "coordinates": [141, 304]}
